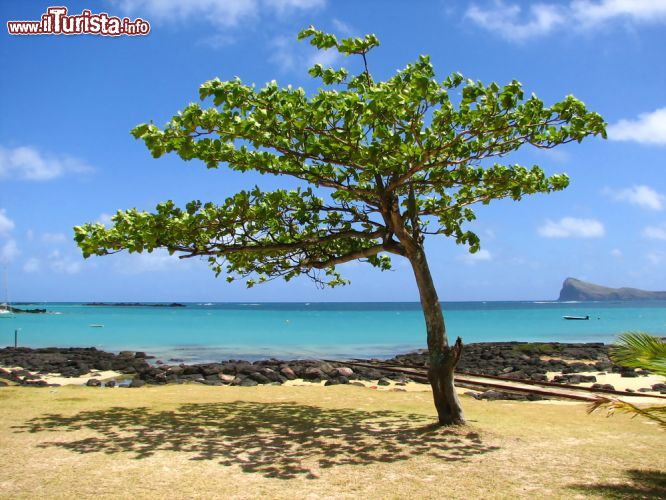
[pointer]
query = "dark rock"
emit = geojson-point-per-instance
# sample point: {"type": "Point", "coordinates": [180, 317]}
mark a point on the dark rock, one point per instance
{"type": "Point", "coordinates": [93, 382]}
{"type": "Point", "coordinates": [175, 370]}
{"type": "Point", "coordinates": [225, 378]}
{"type": "Point", "coordinates": [271, 375]}
{"type": "Point", "coordinates": [383, 381]}
{"type": "Point", "coordinates": [258, 377]}
{"type": "Point", "coordinates": [191, 370]}
{"type": "Point", "coordinates": [137, 383]}
{"type": "Point", "coordinates": [210, 369]}
{"type": "Point", "coordinates": [332, 382]}
{"type": "Point", "coordinates": [605, 387]}
{"type": "Point", "coordinates": [344, 371]}
{"type": "Point", "coordinates": [211, 382]}
{"type": "Point", "coordinates": [312, 373]}
{"type": "Point", "coordinates": [110, 383]}
{"type": "Point", "coordinates": [248, 382]}
{"type": "Point", "coordinates": [288, 373]}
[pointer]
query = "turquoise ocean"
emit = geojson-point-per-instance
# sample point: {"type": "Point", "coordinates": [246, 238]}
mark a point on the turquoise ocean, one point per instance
{"type": "Point", "coordinates": [213, 332]}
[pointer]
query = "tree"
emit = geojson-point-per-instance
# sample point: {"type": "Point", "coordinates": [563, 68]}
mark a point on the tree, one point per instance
{"type": "Point", "coordinates": [393, 161]}
{"type": "Point", "coordinates": [637, 350]}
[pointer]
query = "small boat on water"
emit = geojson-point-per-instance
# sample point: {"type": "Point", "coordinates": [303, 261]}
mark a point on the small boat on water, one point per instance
{"type": "Point", "coordinates": [581, 318]}
{"type": "Point", "coordinates": [94, 325]}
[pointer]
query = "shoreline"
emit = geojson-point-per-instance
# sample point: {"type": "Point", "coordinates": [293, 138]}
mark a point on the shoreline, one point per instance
{"type": "Point", "coordinates": [586, 364]}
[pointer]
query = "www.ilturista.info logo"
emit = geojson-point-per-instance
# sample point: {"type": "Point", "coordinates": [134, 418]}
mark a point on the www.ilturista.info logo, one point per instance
{"type": "Point", "coordinates": [56, 22]}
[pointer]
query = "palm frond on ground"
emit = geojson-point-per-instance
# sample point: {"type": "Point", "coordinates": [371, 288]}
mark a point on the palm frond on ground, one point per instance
{"type": "Point", "coordinates": [655, 413]}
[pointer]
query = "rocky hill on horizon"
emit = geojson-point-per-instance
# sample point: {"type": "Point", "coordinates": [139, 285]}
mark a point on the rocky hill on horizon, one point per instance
{"type": "Point", "coordinates": [575, 289]}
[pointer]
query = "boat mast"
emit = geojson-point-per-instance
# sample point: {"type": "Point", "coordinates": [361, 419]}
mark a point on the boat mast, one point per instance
{"type": "Point", "coordinates": [5, 304]}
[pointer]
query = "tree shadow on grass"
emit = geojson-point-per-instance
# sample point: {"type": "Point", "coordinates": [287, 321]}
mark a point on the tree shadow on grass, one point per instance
{"type": "Point", "coordinates": [643, 484]}
{"type": "Point", "coordinates": [281, 440]}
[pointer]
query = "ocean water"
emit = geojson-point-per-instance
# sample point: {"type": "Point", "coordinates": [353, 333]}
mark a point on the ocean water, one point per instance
{"type": "Point", "coordinates": [212, 332]}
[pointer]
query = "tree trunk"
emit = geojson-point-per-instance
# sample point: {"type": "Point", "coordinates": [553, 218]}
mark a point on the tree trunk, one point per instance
{"type": "Point", "coordinates": [443, 358]}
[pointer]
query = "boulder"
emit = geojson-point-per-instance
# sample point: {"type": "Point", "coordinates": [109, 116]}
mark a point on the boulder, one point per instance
{"type": "Point", "coordinates": [258, 377]}
{"type": "Point", "coordinates": [288, 373]}
{"type": "Point", "coordinates": [344, 371]}
{"type": "Point", "coordinates": [312, 373]}
{"type": "Point", "coordinates": [93, 382]}
{"type": "Point", "coordinates": [225, 378]}
{"type": "Point", "coordinates": [137, 383]}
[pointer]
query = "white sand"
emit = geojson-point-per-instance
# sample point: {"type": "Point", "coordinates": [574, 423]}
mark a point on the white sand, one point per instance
{"type": "Point", "coordinates": [620, 383]}
{"type": "Point", "coordinates": [56, 378]}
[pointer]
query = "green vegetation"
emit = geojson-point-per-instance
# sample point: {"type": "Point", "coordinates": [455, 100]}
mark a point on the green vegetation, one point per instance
{"type": "Point", "coordinates": [387, 163]}
{"type": "Point", "coordinates": [538, 348]}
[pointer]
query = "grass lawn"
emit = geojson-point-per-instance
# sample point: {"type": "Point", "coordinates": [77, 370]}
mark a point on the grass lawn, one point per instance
{"type": "Point", "coordinates": [192, 441]}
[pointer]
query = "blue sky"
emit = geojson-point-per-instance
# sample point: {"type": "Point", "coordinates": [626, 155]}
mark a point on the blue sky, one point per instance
{"type": "Point", "coordinates": [69, 102]}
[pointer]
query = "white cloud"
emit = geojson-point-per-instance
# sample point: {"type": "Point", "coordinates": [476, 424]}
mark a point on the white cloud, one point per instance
{"type": "Point", "coordinates": [473, 258]}
{"type": "Point", "coordinates": [324, 57]}
{"type": "Point", "coordinates": [32, 265]}
{"type": "Point", "coordinates": [505, 19]}
{"type": "Point", "coordinates": [643, 196]}
{"type": "Point", "coordinates": [62, 264]}
{"type": "Point", "coordinates": [217, 41]}
{"type": "Point", "coordinates": [284, 53]}
{"type": "Point", "coordinates": [289, 55]}
{"type": "Point", "coordinates": [9, 251]}
{"type": "Point", "coordinates": [6, 224]}
{"type": "Point", "coordinates": [655, 232]}
{"type": "Point", "coordinates": [27, 163]}
{"type": "Point", "coordinates": [655, 258]}
{"type": "Point", "coordinates": [570, 227]}
{"type": "Point", "coordinates": [509, 21]}
{"type": "Point", "coordinates": [616, 252]}
{"type": "Point", "coordinates": [219, 13]}
{"type": "Point", "coordinates": [594, 13]}
{"type": "Point", "coordinates": [648, 128]}
{"type": "Point", "coordinates": [29, 235]}
{"type": "Point", "coordinates": [342, 28]}
{"type": "Point", "coordinates": [157, 261]}
{"type": "Point", "coordinates": [105, 219]}
{"type": "Point", "coordinates": [54, 237]}
{"type": "Point", "coordinates": [284, 6]}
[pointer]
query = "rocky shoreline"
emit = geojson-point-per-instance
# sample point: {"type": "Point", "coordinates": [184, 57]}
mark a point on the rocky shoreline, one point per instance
{"type": "Point", "coordinates": [508, 359]}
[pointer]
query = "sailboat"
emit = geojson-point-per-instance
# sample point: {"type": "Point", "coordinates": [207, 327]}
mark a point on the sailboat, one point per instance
{"type": "Point", "coordinates": [5, 308]}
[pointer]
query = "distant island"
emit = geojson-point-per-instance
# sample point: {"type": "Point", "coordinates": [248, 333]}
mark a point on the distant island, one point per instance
{"type": "Point", "coordinates": [16, 310]}
{"type": "Point", "coordinates": [132, 304]}
{"type": "Point", "coordinates": [574, 289]}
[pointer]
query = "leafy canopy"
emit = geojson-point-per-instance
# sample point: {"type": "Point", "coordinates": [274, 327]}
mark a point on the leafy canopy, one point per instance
{"type": "Point", "coordinates": [384, 163]}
